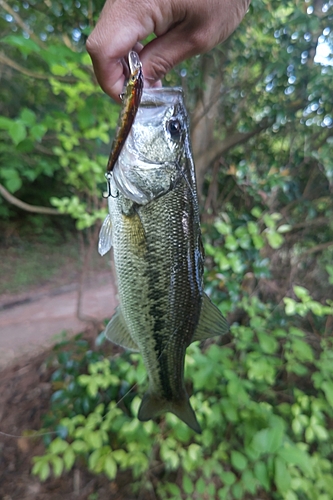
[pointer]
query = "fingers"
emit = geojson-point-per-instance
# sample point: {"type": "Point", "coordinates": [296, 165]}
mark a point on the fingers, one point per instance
{"type": "Point", "coordinates": [184, 28]}
{"type": "Point", "coordinates": [203, 25]}
{"type": "Point", "coordinates": [117, 31]}
{"type": "Point", "coordinates": [166, 51]}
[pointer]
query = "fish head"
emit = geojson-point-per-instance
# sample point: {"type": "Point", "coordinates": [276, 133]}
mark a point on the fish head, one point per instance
{"type": "Point", "coordinates": [152, 157]}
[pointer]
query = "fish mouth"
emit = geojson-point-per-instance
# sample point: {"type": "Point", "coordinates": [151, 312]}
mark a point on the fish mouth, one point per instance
{"type": "Point", "coordinates": [136, 174]}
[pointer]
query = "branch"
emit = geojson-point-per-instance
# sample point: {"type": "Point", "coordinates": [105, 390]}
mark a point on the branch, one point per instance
{"type": "Point", "coordinates": [6, 60]}
{"type": "Point", "coordinates": [25, 206]}
{"type": "Point", "coordinates": [220, 147]}
{"type": "Point", "coordinates": [317, 248]}
{"type": "Point", "coordinates": [20, 22]}
{"type": "Point", "coordinates": [319, 221]}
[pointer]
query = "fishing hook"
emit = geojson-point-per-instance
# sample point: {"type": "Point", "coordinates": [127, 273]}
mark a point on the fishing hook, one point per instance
{"type": "Point", "coordinates": [108, 177]}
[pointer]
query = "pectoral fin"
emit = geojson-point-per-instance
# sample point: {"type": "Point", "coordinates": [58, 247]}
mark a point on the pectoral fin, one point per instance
{"type": "Point", "coordinates": [211, 321]}
{"type": "Point", "coordinates": [105, 236]}
{"type": "Point", "coordinates": [152, 406]}
{"type": "Point", "coordinates": [117, 332]}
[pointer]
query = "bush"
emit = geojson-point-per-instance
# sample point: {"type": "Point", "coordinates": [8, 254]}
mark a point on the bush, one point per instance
{"type": "Point", "coordinates": [265, 400]}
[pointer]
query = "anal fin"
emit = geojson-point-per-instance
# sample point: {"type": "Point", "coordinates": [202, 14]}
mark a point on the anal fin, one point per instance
{"type": "Point", "coordinates": [118, 333]}
{"type": "Point", "coordinates": [211, 321]}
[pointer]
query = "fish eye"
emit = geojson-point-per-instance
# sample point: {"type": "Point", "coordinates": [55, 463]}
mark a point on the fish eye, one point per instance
{"type": "Point", "coordinates": [175, 129]}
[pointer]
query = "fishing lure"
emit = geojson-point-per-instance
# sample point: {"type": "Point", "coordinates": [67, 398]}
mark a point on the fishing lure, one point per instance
{"type": "Point", "coordinates": [131, 100]}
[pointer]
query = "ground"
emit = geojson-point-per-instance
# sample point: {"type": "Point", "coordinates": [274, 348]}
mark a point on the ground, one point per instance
{"type": "Point", "coordinates": [35, 306]}
{"type": "Point", "coordinates": [24, 397]}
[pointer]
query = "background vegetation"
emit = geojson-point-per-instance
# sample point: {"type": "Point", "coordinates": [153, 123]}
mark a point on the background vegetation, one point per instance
{"type": "Point", "coordinates": [262, 131]}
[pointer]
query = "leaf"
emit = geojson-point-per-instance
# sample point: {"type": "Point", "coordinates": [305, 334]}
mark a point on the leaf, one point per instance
{"type": "Point", "coordinates": [290, 306]}
{"type": "Point", "coordinates": [258, 241]}
{"type": "Point", "coordinates": [93, 438]}
{"type": "Point", "coordinates": [253, 228]}
{"type": "Point", "coordinates": [222, 227]}
{"type": "Point", "coordinates": [268, 440]}
{"type": "Point", "coordinates": [267, 342]}
{"type": "Point", "coordinates": [269, 221]}
{"type": "Point", "coordinates": [261, 473]}
{"type": "Point", "coordinates": [25, 45]}
{"type": "Point", "coordinates": [44, 471]}
{"type": "Point", "coordinates": [302, 350]}
{"type": "Point", "coordinates": [79, 446]}
{"type": "Point", "coordinates": [173, 489]}
{"type": "Point", "coordinates": [17, 132]}
{"type": "Point", "coordinates": [231, 242]}
{"type": "Point", "coordinates": [37, 131]}
{"type": "Point", "coordinates": [13, 181]}
{"type": "Point", "coordinates": [302, 293]}
{"type": "Point", "coordinates": [228, 478]}
{"type": "Point", "coordinates": [284, 228]}
{"type": "Point", "coordinates": [238, 491]}
{"type": "Point", "coordinates": [94, 458]}
{"type": "Point", "coordinates": [28, 117]}
{"type": "Point", "coordinates": [249, 481]}
{"type": "Point", "coordinates": [256, 212]}
{"type": "Point", "coordinates": [58, 445]}
{"type": "Point", "coordinates": [110, 467]}
{"type": "Point", "coordinates": [59, 70]}
{"type": "Point", "coordinates": [238, 460]}
{"type": "Point", "coordinates": [57, 464]}
{"type": "Point", "coordinates": [281, 476]}
{"type": "Point", "coordinates": [187, 485]}
{"type": "Point", "coordinates": [327, 387]}
{"type": "Point", "coordinates": [274, 239]}
{"type": "Point", "coordinates": [295, 456]}
{"type": "Point", "coordinates": [69, 458]}
{"type": "Point", "coordinates": [5, 123]}
{"type": "Point", "coordinates": [200, 486]}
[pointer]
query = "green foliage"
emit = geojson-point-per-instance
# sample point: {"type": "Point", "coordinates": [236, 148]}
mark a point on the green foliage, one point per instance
{"type": "Point", "coordinates": [265, 401]}
{"type": "Point", "coordinates": [58, 124]}
{"type": "Point", "coordinates": [264, 429]}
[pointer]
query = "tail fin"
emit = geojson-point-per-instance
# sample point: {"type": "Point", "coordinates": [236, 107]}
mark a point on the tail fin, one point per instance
{"type": "Point", "coordinates": [152, 406]}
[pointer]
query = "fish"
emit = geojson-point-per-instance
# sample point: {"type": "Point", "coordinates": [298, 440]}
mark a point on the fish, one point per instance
{"type": "Point", "coordinates": [131, 100]}
{"type": "Point", "coordinates": [154, 227]}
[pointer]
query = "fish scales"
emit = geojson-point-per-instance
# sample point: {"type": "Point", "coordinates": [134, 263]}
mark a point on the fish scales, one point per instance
{"type": "Point", "coordinates": [158, 252]}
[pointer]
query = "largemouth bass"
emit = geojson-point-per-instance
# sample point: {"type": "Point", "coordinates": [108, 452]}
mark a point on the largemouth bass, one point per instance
{"type": "Point", "coordinates": [154, 226]}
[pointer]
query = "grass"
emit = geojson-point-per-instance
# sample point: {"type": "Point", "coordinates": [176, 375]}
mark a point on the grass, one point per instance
{"type": "Point", "coordinates": [27, 265]}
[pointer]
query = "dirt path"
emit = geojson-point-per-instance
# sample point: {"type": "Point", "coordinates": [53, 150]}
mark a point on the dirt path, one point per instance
{"type": "Point", "coordinates": [29, 324]}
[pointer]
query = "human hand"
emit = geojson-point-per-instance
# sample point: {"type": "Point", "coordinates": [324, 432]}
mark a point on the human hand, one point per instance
{"type": "Point", "coordinates": [183, 28]}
